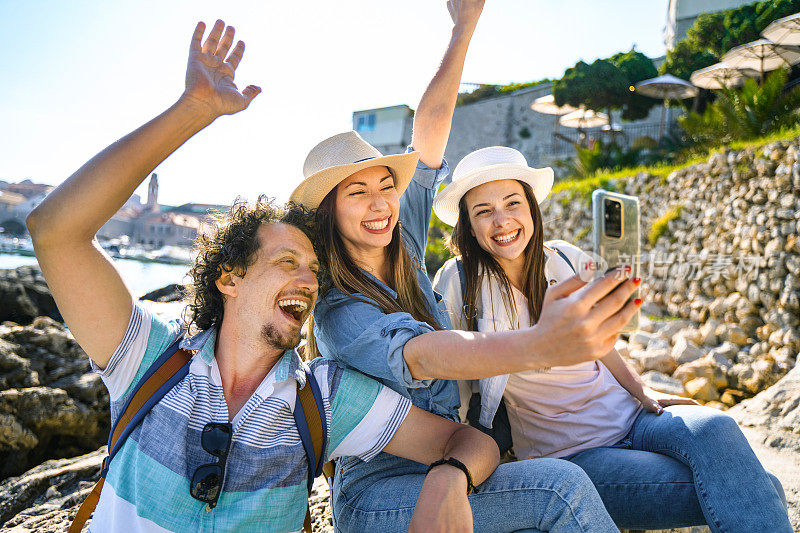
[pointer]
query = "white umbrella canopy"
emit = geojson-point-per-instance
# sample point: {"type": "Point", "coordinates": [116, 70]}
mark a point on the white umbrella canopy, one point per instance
{"type": "Point", "coordinates": [666, 87]}
{"type": "Point", "coordinates": [761, 55]}
{"type": "Point", "coordinates": [584, 118]}
{"type": "Point", "coordinates": [547, 105]}
{"type": "Point", "coordinates": [720, 75]}
{"type": "Point", "coordinates": [784, 31]}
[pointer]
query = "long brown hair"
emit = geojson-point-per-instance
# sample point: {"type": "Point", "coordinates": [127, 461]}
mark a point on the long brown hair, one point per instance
{"type": "Point", "coordinates": [340, 271]}
{"type": "Point", "coordinates": [475, 260]}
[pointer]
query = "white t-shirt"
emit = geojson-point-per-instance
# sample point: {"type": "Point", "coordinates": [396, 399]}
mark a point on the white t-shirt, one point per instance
{"type": "Point", "coordinates": [560, 411]}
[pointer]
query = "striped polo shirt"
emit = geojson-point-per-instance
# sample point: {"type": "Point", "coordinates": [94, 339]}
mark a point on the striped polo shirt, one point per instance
{"type": "Point", "coordinates": [264, 487]}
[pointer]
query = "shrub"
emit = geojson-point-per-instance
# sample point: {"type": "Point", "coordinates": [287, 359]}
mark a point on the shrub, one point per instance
{"type": "Point", "coordinates": [746, 113]}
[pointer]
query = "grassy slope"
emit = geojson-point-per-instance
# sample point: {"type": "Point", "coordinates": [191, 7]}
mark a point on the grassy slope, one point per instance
{"type": "Point", "coordinates": [584, 186]}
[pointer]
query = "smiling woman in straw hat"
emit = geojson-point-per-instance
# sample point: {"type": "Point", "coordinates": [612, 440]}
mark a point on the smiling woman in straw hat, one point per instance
{"type": "Point", "coordinates": [378, 313]}
{"type": "Point", "coordinates": [597, 414]}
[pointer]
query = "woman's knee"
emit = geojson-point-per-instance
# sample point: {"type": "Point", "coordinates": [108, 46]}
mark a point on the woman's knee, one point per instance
{"type": "Point", "coordinates": [562, 476]}
{"type": "Point", "coordinates": [704, 425]}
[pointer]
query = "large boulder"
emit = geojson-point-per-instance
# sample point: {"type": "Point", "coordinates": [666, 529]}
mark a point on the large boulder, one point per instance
{"type": "Point", "coordinates": [170, 293]}
{"type": "Point", "coordinates": [24, 295]}
{"type": "Point", "coordinates": [51, 404]}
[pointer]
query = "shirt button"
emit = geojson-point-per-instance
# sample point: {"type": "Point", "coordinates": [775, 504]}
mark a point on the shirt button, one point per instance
{"type": "Point", "coordinates": [552, 282]}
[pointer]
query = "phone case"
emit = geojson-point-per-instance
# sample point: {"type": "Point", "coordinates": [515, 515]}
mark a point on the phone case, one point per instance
{"type": "Point", "coordinates": [616, 236]}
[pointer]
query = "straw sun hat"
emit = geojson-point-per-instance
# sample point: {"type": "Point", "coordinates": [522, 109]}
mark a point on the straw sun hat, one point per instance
{"type": "Point", "coordinates": [485, 165]}
{"type": "Point", "coordinates": [342, 155]}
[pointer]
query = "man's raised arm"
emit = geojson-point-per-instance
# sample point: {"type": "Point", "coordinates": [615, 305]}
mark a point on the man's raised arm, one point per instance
{"type": "Point", "coordinates": [92, 298]}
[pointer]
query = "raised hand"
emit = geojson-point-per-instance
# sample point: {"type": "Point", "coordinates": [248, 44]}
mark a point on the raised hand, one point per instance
{"type": "Point", "coordinates": [209, 75]}
{"type": "Point", "coordinates": [465, 12]}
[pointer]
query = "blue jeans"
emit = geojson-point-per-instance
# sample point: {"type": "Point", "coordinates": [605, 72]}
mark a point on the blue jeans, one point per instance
{"type": "Point", "coordinates": [530, 496]}
{"type": "Point", "coordinates": [688, 466]}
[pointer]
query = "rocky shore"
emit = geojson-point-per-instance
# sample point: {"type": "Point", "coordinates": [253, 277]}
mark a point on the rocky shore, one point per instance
{"type": "Point", "coordinates": [721, 281]}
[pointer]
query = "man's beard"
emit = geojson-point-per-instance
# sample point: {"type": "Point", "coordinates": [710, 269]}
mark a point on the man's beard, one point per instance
{"type": "Point", "coordinates": [281, 341]}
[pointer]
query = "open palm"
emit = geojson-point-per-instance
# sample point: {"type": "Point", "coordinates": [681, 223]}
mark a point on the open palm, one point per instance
{"type": "Point", "coordinates": [209, 75]}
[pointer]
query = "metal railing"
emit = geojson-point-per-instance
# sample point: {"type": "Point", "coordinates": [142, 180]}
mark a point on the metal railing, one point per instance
{"type": "Point", "coordinates": [625, 134]}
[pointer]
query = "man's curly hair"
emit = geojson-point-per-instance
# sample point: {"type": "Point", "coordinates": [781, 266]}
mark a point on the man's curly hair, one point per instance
{"type": "Point", "coordinates": [230, 245]}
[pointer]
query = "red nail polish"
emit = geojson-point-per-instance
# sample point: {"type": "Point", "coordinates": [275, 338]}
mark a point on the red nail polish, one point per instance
{"type": "Point", "coordinates": [638, 301]}
{"type": "Point", "coordinates": [628, 268]}
{"type": "Point", "coordinates": [636, 281]}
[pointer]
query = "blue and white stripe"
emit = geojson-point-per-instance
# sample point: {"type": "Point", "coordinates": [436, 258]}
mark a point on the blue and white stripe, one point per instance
{"type": "Point", "coordinates": [266, 471]}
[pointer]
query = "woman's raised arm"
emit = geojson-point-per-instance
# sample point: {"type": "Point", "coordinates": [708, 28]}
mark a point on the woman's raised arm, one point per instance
{"type": "Point", "coordinates": [94, 301]}
{"type": "Point", "coordinates": [434, 113]}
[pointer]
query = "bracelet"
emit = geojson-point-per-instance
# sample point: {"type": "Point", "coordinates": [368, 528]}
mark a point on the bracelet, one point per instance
{"type": "Point", "coordinates": [452, 461]}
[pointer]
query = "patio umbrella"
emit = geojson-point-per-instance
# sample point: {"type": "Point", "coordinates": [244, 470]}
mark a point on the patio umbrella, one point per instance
{"type": "Point", "coordinates": [720, 75]}
{"type": "Point", "coordinates": [761, 55]}
{"type": "Point", "coordinates": [584, 118]}
{"type": "Point", "coordinates": [581, 119]}
{"type": "Point", "coordinates": [547, 105]}
{"type": "Point", "coordinates": [666, 87]}
{"type": "Point", "coordinates": [785, 31]}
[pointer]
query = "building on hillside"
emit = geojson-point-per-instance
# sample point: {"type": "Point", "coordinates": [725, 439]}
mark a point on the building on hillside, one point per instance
{"type": "Point", "coordinates": [16, 201]}
{"type": "Point", "coordinates": [28, 188]}
{"type": "Point", "coordinates": [387, 128]}
{"type": "Point", "coordinates": [156, 230]}
{"type": "Point", "coordinates": [681, 14]}
{"type": "Point", "coordinates": [10, 223]}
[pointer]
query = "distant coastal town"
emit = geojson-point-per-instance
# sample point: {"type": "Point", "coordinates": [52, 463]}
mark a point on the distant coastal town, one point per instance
{"type": "Point", "coordinates": [146, 231]}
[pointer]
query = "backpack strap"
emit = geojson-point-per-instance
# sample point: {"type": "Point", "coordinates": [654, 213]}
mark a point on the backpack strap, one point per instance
{"type": "Point", "coordinates": [165, 372]}
{"type": "Point", "coordinates": [462, 278]}
{"type": "Point", "coordinates": [564, 257]}
{"type": "Point", "coordinates": [308, 416]}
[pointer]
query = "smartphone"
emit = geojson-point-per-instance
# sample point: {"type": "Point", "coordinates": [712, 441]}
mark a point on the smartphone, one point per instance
{"type": "Point", "coordinates": [616, 236]}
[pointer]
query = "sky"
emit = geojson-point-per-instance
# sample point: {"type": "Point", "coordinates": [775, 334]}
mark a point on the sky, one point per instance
{"type": "Point", "coordinates": [78, 75]}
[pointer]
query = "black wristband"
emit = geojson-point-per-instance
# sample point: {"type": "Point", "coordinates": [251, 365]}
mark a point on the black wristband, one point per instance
{"type": "Point", "coordinates": [452, 461]}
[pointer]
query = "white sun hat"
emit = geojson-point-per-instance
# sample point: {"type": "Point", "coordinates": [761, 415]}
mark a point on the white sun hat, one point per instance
{"type": "Point", "coordinates": [490, 164]}
{"type": "Point", "coordinates": [342, 155]}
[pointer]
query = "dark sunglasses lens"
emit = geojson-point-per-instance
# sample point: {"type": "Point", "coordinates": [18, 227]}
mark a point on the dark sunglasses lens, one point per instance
{"type": "Point", "coordinates": [216, 438]}
{"type": "Point", "coordinates": [206, 483]}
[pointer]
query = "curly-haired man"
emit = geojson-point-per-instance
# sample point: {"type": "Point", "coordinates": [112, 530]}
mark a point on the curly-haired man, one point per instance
{"type": "Point", "coordinates": [254, 285]}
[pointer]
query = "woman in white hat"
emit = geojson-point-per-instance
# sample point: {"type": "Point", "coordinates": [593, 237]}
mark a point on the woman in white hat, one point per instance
{"type": "Point", "coordinates": [378, 313]}
{"type": "Point", "coordinates": [597, 414]}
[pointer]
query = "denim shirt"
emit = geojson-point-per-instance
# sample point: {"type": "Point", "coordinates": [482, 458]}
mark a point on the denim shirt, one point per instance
{"type": "Point", "coordinates": [359, 335]}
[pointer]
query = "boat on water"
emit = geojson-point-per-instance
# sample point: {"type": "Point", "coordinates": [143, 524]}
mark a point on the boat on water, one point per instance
{"type": "Point", "coordinates": [172, 255]}
{"type": "Point", "coordinates": [16, 245]}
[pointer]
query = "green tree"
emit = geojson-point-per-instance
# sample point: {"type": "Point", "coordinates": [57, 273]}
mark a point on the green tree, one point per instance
{"type": "Point", "coordinates": [685, 58]}
{"type": "Point", "coordinates": [635, 66]}
{"type": "Point", "coordinates": [713, 34]}
{"type": "Point", "coordinates": [600, 86]}
{"type": "Point", "coordinates": [605, 84]}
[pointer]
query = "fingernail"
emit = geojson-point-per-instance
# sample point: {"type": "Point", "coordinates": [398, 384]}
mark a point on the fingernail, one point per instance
{"type": "Point", "coordinates": [627, 268]}
{"type": "Point", "coordinates": [638, 301]}
{"type": "Point", "coordinates": [636, 281]}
